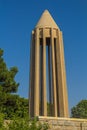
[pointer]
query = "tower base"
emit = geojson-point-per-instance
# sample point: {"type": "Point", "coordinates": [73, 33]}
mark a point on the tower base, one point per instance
{"type": "Point", "coordinates": [57, 123]}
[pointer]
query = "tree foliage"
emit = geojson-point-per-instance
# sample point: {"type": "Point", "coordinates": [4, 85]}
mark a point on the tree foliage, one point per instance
{"type": "Point", "coordinates": [80, 110]}
{"type": "Point", "coordinates": [22, 124]}
{"type": "Point", "coordinates": [10, 104]}
{"type": "Point", "coordinates": [7, 76]}
{"type": "Point", "coordinates": [15, 106]}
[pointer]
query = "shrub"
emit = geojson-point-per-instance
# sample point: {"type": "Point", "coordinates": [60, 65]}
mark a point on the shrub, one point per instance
{"type": "Point", "coordinates": [21, 124]}
{"type": "Point", "coordinates": [2, 127]}
{"type": "Point", "coordinates": [25, 124]}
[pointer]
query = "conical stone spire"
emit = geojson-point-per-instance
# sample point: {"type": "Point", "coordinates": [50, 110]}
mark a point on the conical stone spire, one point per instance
{"type": "Point", "coordinates": [46, 20]}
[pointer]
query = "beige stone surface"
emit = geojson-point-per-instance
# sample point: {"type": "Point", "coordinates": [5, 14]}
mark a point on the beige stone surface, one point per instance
{"type": "Point", "coordinates": [56, 123]}
{"type": "Point", "coordinates": [44, 98]}
{"type": "Point", "coordinates": [36, 79]}
{"type": "Point", "coordinates": [47, 34]}
{"type": "Point", "coordinates": [53, 76]}
{"type": "Point", "coordinates": [46, 20]}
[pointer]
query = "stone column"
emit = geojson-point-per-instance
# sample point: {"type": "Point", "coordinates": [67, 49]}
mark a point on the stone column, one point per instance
{"type": "Point", "coordinates": [36, 81]}
{"type": "Point", "coordinates": [61, 78]}
{"type": "Point", "coordinates": [31, 86]}
{"type": "Point", "coordinates": [53, 75]}
{"type": "Point", "coordinates": [44, 96]}
{"type": "Point", "coordinates": [65, 96]}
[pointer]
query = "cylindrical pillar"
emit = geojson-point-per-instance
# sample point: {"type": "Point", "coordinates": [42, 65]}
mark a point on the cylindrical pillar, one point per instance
{"type": "Point", "coordinates": [31, 88]}
{"type": "Point", "coordinates": [44, 96]}
{"type": "Point", "coordinates": [36, 81]}
{"type": "Point", "coordinates": [65, 95]}
{"type": "Point", "coordinates": [53, 75]}
{"type": "Point", "coordinates": [61, 78]}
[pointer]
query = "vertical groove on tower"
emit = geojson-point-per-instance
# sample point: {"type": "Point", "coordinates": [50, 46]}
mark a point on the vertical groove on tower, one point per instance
{"type": "Point", "coordinates": [57, 72]}
{"type": "Point", "coordinates": [41, 70]}
{"type": "Point", "coordinates": [56, 50]}
{"type": "Point", "coordinates": [50, 75]}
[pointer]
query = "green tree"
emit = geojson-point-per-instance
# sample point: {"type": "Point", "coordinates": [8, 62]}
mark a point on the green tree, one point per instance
{"type": "Point", "coordinates": [7, 77]}
{"type": "Point", "coordinates": [15, 106]}
{"type": "Point", "coordinates": [10, 104]}
{"type": "Point", "coordinates": [80, 110]}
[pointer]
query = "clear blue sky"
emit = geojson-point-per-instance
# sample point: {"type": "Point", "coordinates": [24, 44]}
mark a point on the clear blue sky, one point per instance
{"type": "Point", "coordinates": [18, 18]}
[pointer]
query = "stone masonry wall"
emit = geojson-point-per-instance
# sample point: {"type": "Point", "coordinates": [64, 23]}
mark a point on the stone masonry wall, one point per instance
{"type": "Point", "coordinates": [56, 123]}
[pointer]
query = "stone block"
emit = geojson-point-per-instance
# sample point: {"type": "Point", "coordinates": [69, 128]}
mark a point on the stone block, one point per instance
{"type": "Point", "coordinates": [66, 124]}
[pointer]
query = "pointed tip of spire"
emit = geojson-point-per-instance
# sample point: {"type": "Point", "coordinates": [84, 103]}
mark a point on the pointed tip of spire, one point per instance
{"type": "Point", "coordinates": [46, 20]}
{"type": "Point", "coordinates": [46, 11]}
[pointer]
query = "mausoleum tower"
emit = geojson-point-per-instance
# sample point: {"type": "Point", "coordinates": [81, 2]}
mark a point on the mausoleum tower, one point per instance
{"type": "Point", "coordinates": [47, 70]}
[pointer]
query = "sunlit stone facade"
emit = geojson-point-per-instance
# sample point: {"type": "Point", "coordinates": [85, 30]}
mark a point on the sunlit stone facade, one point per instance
{"type": "Point", "coordinates": [47, 60]}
